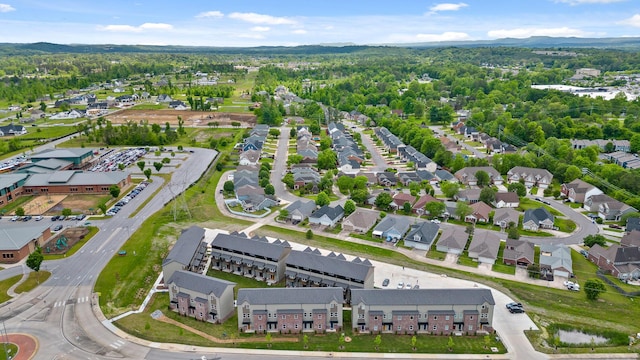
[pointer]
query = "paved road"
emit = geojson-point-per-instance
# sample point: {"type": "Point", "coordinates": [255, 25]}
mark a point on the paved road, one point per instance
{"type": "Point", "coordinates": [379, 162]}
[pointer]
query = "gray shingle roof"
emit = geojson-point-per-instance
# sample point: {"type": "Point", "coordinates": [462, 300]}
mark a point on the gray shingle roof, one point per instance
{"type": "Point", "coordinates": [331, 212]}
{"type": "Point", "coordinates": [422, 297]}
{"type": "Point", "coordinates": [316, 262]}
{"type": "Point", "coordinates": [16, 237]}
{"type": "Point", "coordinates": [400, 223]}
{"type": "Point", "coordinates": [8, 180]}
{"type": "Point", "coordinates": [250, 246]}
{"type": "Point", "coordinates": [186, 246]}
{"type": "Point", "coordinates": [426, 232]}
{"type": "Point", "coordinates": [294, 296]}
{"type": "Point", "coordinates": [61, 153]}
{"type": "Point", "coordinates": [70, 177]}
{"type": "Point", "coordinates": [200, 283]}
{"type": "Point", "coordinates": [537, 215]}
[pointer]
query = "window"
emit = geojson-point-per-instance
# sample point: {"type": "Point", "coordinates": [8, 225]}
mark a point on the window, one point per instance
{"type": "Point", "coordinates": [410, 327]}
{"type": "Point", "coordinates": [411, 317]}
{"type": "Point", "coordinates": [446, 327]}
{"type": "Point", "coordinates": [470, 327]}
{"type": "Point", "coordinates": [283, 317]}
{"type": "Point", "coordinates": [435, 317]}
{"type": "Point", "coordinates": [435, 327]}
{"type": "Point", "coordinates": [484, 316]}
{"type": "Point", "coordinates": [446, 317]}
{"type": "Point", "coordinates": [320, 326]}
{"type": "Point", "coordinates": [295, 326]}
{"type": "Point", "coordinates": [259, 317]}
{"type": "Point", "coordinates": [335, 314]}
{"type": "Point", "coordinates": [399, 328]}
{"type": "Point", "coordinates": [399, 317]}
{"type": "Point", "coordinates": [375, 317]}
{"type": "Point", "coordinates": [245, 315]}
{"type": "Point", "coordinates": [360, 316]}
{"type": "Point", "coordinates": [295, 316]}
{"type": "Point", "coordinates": [284, 326]}
{"type": "Point", "coordinates": [319, 316]}
{"type": "Point", "coordinates": [471, 317]}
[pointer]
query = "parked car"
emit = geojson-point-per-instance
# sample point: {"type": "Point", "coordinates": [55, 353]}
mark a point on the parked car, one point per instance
{"type": "Point", "coordinates": [27, 218]}
{"type": "Point", "coordinates": [57, 228]}
{"type": "Point", "coordinates": [513, 304]}
{"type": "Point", "coordinates": [38, 218]}
{"type": "Point", "coordinates": [416, 287]}
{"type": "Point", "coordinates": [584, 253]}
{"type": "Point", "coordinates": [15, 218]}
{"type": "Point", "coordinates": [81, 217]}
{"type": "Point", "coordinates": [385, 282]}
{"type": "Point", "coordinates": [400, 285]}
{"type": "Point", "coordinates": [516, 310]}
{"type": "Point", "coordinates": [435, 221]}
{"type": "Point", "coordinates": [408, 286]}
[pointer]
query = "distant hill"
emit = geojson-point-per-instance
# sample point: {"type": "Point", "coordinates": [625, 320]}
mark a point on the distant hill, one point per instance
{"type": "Point", "coordinates": [627, 43]}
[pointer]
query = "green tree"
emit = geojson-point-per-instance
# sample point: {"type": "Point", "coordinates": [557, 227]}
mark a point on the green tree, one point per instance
{"type": "Point", "coordinates": [341, 341]}
{"type": "Point", "coordinates": [322, 199]}
{"type": "Point", "coordinates": [293, 132]}
{"type": "Point", "coordinates": [305, 337]}
{"type": "Point", "coordinates": [591, 240]}
{"type": "Point", "coordinates": [19, 211]}
{"type": "Point", "coordinates": [435, 208]}
{"type": "Point", "coordinates": [571, 173]}
{"type": "Point", "coordinates": [377, 341]}
{"type": "Point", "coordinates": [534, 271]}
{"type": "Point", "coordinates": [513, 233]}
{"type": "Point", "coordinates": [66, 212]}
{"type": "Point", "coordinates": [345, 184]}
{"type": "Point", "coordinates": [487, 341]}
{"type": "Point", "coordinates": [359, 196]}
{"type": "Point", "coordinates": [450, 343]}
{"type": "Point", "coordinates": [383, 200]}
{"type": "Point", "coordinates": [35, 260]}
{"type": "Point", "coordinates": [274, 132]}
{"type": "Point", "coordinates": [349, 207]}
{"type": "Point", "coordinates": [267, 338]}
{"type": "Point", "coordinates": [269, 189]}
{"type": "Point", "coordinates": [147, 173]}
{"type": "Point", "coordinates": [406, 208]}
{"type": "Point", "coordinates": [327, 159]}
{"type": "Point", "coordinates": [414, 342]}
{"type": "Point", "coordinates": [593, 288]}
{"type": "Point", "coordinates": [157, 165]}
{"type": "Point", "coordinates": [487, 195]}
{"type": "Point", "coordinates": [294, 159]}
{"type": "Point", "coordinates": [309, 234]}
{"type": "Point", "coordinates": [43, 106]}
{"type": "Point", "coordinates": [166, 160]}
{"type": "Point", "coordinates": [463, 210]}
{"type": "Point", "coordinates": [228, 186]}
{"type": "Point", "coordinates": [518, 188]}
{"type": "Point", "coordinates": [449, 189]}
{"type": "Point", "coordinates": [141, 165]}
{"type": "Point", "coordinates": [482, 177]}
{"type": "Point", "coordinates": [103, 208]}
{"type": "Point", "coordinates": [114, 190]}
{"type": "Point", "coordinates": [288, 180]}
{"type": "Point", "coordinates": [120, 166]}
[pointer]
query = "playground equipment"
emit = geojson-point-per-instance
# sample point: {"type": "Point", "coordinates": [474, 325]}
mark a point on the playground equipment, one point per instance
{"type": "Point", "coordinates": [61, 243]}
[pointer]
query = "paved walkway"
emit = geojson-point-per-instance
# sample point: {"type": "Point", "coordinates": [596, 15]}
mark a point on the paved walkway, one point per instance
{"type": "Point", "coordinates": [25, 275]}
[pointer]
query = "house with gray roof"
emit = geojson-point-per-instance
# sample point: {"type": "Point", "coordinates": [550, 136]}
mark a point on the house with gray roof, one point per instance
{"type": "Point", "coordinates": [255, 257]}
{"type": "Point", "coordinates": [469, 196]}
{"type": "Point", "coordinates": [506, 200]}
{"type": "Point", "coordinates": [249, 157]}
{"type": "Point", "coordinates": [309, 268]}
{"type": "Point", "coordinates": [290, 310]}
{"type": "Point", "coordinates": [421, 235]}
{"type": "Point", "coordinates": [392, 228]}
{"type": "Point", "coordinates": [614, 210]}
{"type": "Point", "coordinates": [532, 177]}
{"type": "Point", "coordinates": [78, 156]}
{"type": "Point", "coordinates": [452, 240]}
{"type": "Point", "coordinates": [19, 241]}
{"type": "Point", "coordinates": [427, 311]}
{"type": "Point", "coordinates": [504, 216]}
{"type": "Point", "coordinates": [467, 175]}
{"type": "Point", "coordinates": [12, 129]}
{"type": "Point", "coordinates": [188, 253]}
{"type": "Point", "coordinates": [327, 216]}
{"type": "Point", "coordinates": [484, 246]}
{"type": "Point", "coordinates": [518, 253]}
{"type": "Point", "coordinates": [633, 223]}
{"type": "Point", "coordinates": [360, 221]}
{"type": "Point", "coordinates": [619, 261]}
{"type": "Point", "coordinates": [444, 175]}
{"type": "Point", "coordinates": [200, 296]}
{"type": "Point", "coordinates": [535, 219]}
{"type": "Point", "coordinates": [578, 191]}
{"type": "Point", "coordinates": [300, 210]}
{"type": "Point", "coordinates": [555, 260]}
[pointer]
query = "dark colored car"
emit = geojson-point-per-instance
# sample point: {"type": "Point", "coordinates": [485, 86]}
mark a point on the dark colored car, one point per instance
{"type": "Point", "coordinates": [516, 310]}
{"type": "Point", "coordinates": [513, 304]}
{"type": "Point", "coordinates": [385, 282]}
{"type": "Point", "coordinates": [57, 228]}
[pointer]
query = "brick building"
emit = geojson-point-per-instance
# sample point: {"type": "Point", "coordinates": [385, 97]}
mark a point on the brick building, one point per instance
{"type": "Point", "coordinates": [18, 241]}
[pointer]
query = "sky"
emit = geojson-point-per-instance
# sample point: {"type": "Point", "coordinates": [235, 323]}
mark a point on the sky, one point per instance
{"type": "Point", "coordinates": [248, 23]}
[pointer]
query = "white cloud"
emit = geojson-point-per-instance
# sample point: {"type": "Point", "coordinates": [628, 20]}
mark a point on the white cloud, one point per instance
{"type": "Point", "coordinates": [250, 36]}
{"type": "Point", "coordinates": [260, 28]}
{"type": "Point", "coordinates": [131, 28]}
{"type": "Point", "coordinates": [578, 2]}
{"type": "Point", "coordinates": [528, 32]}
{"type": "Point", "coordinates": [210, 14]}
{"type": "Point", "coordinates": [445, 36]}
{"type": "Point", "coordinates": [6, 8]}
{"type": "Point", "coordinates": [632, 21]}
{"type": "Point", "coordinates": [299, 32]}
{"type": "Point", "coordinates": [447, 7]}
{"type": "Point", "coordinates": [262, 19]}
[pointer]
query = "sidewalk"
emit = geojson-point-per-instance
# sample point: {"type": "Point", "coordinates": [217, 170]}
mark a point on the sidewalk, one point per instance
{"type": "Point", "coordinates": [25, 275]}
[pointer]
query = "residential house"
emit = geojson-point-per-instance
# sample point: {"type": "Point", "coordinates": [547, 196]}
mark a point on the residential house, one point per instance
{"type": "Point", "coordinates": [188, 253]}
{"type": "Point", "coordinates": [249, 157]}
{"type": "Point", "coordinates": [390, 141]}
{"type": "Point", "coordinates": [593, 203]}
{"type": "Point", "coordinates": [518, 253]}
{"type": "Point", "coordinates": [309, 268]}
{"type": "Point", "coordinates": [164, 98]}
{"type": "Point", "coordinates": [392, 228]}
{"type": "Point", "coordinates": [621, 262]}
{"type": "Point", "coordinates": [506, 200]}
{"type": "Point", "coordinates": [467, 175]}
{"type": "Point", "coordinates": [421, 235]}
{"type": "Point", "coordinates": [626, 160]}
{"type": "Point", "coordinates": [255, 257]}
{"type": "Point", "coordinates": [37, 114]}
{"type": "Point", "coordinates": [633, 223]}
{"type": "Point", "coordinates": [360, 221]}
{"type": "Point", "coordinates": [630, 239]}
{"type": "Point", "coordinates": [200, 296]}
{"type": "Point", "coordinates": [452, 240]}
{"type": "Point", "coordinates": [12, 129]}
{"type": "Point", "coordinates": [300, 210]}
{"type": "Point", "coordinates": [327, 216]}
{"type": "Point", "coordinates": [555, 260]}
{"type": "Point", "coordinates": [407, 178]}
{"type": "Point", "coordinates": [504, 216]}
{"type": "Point", "coordinates": [386, 178]}
{"type": "Point", "coordinates": [617, 145]}
{"type": "Point", "coordinates": [480, 213]}
{"type": "Point", "coordinates": [432, 311]}
{"type": "Point", "coordinates": [290, 310]}
{"type": "Point", "coordinates": [420, 161]}
{"type": "Point", "coordinates": [444, 175]}
{"type": "Point", "coordinates": [614, 210]}
{"type": "Point", "coordinates": [304, 176]}
{"type": "Point", "coordinates": [450, 210]}
{"type": "Point", "coordinates": [469, 196]}
{"type": "Point", "coordinates": [535, 219]}
{"type": "Point", "coordinates": [245, 177]}
{"type": "Point", "coordinates": [532, 177]}
{"type": "Point", "coordinates": [400, 198]}
{"type": "Point", "coordinates": [484, 246]}
{"type": "Point", "coordinates": [578, 191]}
{"type": "Point", "coordinates": [419, 206]}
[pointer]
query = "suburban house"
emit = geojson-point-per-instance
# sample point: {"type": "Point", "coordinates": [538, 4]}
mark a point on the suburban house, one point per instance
{"type": "Point", "coordinates": [400, 198]}
{"type": "Point", "coordinates": [300, 210]}
{"type": "Point", "coordinates": [626, 160]}
{"type": "Point", "coordinates": [480, 213]}
{"type": "Point", "coordinates": [188, 253]}
{"type": "Point", "coordinates": [630, 239]}
{"type": "Point", "coordinates": [484, 246]}
{"type": "Point", "coordinates": [255, 257]}
{"type": "Point", "coordinates": [419, 206]}
{"type": "Point", "coordinates": [420, 161]}
{"type": "Point", "coordinates": [327, 216]}
{"type": "Point", "coordinates": [621, 262]}
{"type": "Point", "coordinates": [444, 175]}
{"type": "Point", "coordinates": [309, 268]}
{"type": "Point", "coordinates": [290, 310]}
{"type": "Point", "coordinates": [578, 191]}
{"type": "Point", "coordinates": [469, 196]}
{"type": "Point", "coordinates": [421, 235]}
{"type": "Point", "coordinates": [432, 311]}
{"type": "Point", "coordinates": [467, 176]}
{"type": "Point", "coordinates": [633, 223]}
{"type": "Point", "coordinates": [506, 200]}
{"type": "Point", "coordinates": [386, 178]}
{"type": "Point", "coordinates": [614, 210]}
{"type": "Point", "coordinates": [532, 177]}
{"type": "Point", "coordinates": [360, 221]}
{"type": "Point", "coordinates": [518, 253]}
{"type": "Point", "coordinates": [618, 145]}
{"type": "Point", "coordinates": [249, 157]}
{"type": "Point", "coordinates": [592, 203]}
{"type": "Point", "coordinates": [390, 141]}
{"type": "Point", "coordinates": [555, 260]}
{"type": "Point", "coordinates": [12, 129]}
{"type": "Point", "coordinates": [452, 240]}
{"type": "Point", "coordinates": [392, 228]}
{"type": "Point", "coordinates": [535, 219]}
{"type": "Point", "coordinates": [406, 178]}
{"type": "Point", "coordinates": [504, 216]}
{"type": "Point", "coordinates": [200, 296]}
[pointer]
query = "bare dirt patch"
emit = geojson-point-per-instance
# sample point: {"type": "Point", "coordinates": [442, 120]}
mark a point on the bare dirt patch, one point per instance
{"type": "Point", "coordinates": [191, 118]}
{"type": "Point", "coordinates": [42, 204]}
{"type": "Point", "coordinates": [64, 241]}
{"type": "Point", "coordinates": [85, 204]}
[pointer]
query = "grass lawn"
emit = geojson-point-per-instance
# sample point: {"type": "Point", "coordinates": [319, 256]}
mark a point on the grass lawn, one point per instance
{"type": "Point", "coordinates": [5, 285]}
{"type": "Point", "coordinates": [12, 206]}
{"type": "Point", "coordinates": [467, 261]}
{"type": "Point", "coordinates": [34, 279]}
{"type": "Point", "coordinates": [526, 204]}
{"type": "Point", "coordinates": [10, 349]}
{"type": "Point", "coordinates": [92, 231]}
{"type": "Point", "coordinates": [435, 254]}
{"type": "Point", "coordinates": [565, 225]}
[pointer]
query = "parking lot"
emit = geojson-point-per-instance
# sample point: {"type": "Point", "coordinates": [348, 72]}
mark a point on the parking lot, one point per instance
{"type": "Point", "coordinates": [125, 200]}
{"type": "Point", "coordinates": [111, 160]}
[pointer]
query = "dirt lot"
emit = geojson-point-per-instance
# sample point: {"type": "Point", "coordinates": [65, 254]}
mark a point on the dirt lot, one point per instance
{"type": "Point", "coordinates": [85, 204]}
{"type": "Point", "coordinates": [72, 236]}
{"type": "Point", "coordinates": [191, 118]}
{"type": "Point", "coordinates": [42, 204]}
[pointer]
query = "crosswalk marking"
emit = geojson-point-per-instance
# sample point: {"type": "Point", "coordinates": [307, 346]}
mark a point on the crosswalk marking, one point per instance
{"type": "Point", "coordinates": [117, 344]}
{"type": "Point", "coordinates": [71, 301]}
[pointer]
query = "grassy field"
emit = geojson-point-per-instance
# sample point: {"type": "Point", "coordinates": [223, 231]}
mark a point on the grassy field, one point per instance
{"type": "Point", "coordinates": [5, 285]}
{"type": "Point", "coordinates": [10, 349]}
{"type": "Point", "coordinates": [565, 225]}
{"type": "Point", "coordinates": [12, 206]}
{"type": "Point", "coordinates": [34, 279]}
{"type": "Point", "coordinates": [526, 204]}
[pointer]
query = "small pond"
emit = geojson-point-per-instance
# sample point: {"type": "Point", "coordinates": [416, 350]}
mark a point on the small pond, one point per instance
{"type": "Point", "coordinates": [578, 337]}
